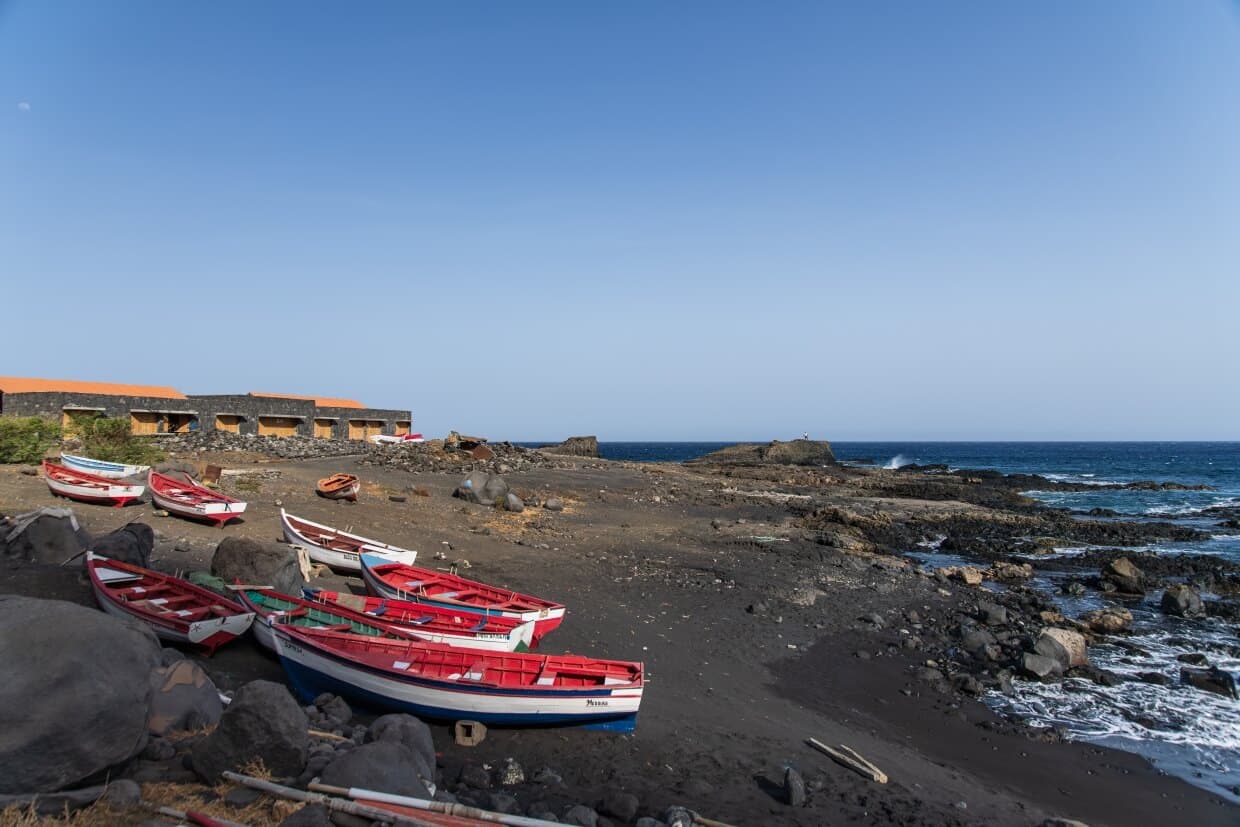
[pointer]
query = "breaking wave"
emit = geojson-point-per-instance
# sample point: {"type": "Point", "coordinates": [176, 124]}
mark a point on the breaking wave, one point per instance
{"type": "Point", "coordinates": [898, 461]}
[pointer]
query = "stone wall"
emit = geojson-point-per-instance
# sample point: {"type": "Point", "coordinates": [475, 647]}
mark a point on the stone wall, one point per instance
{"type": "Point", "coordinates": [53, 405]}
{"type": "Point", "coordinates": [206, 407]}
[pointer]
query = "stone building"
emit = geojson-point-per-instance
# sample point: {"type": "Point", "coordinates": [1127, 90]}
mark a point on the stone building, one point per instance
{"type": "Point", "coordinates": [155, 410]}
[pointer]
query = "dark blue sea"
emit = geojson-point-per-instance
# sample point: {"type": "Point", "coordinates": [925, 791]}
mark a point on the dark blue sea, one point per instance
{"type": "Point", "coordinates": [1185, 732]}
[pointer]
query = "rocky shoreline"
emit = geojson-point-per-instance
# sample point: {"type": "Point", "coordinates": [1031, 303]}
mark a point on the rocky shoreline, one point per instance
{"type": "Point", "coordinates": [776, 595]}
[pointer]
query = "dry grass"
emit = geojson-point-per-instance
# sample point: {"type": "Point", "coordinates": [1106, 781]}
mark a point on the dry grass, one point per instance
{"type": "Point", "coordinates": [267, 811]}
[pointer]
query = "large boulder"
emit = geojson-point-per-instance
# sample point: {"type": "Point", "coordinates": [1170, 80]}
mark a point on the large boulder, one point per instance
{"type": "Point", "coordinates": [1182, 601]}
{"type": "Point", "coordinates": [577, 446]}
{"type": "Point", "coordinates": [1040, 666]}
{"type": "Point", "coordinates": [48, 535]}
{"type": "Point", "coordinates": [482, 488]}
{"type": "Point", "coordinates": [75, 693]}
{"type": "Point", "coordinates": [132, 543]}
{"type": "Point", "coordinates": [262, 723]}
{"type": "Point", "coordinates": [1065, 647]}
{"type": "Point", "coordinates": [409, 732]}
{"type": "Point", "coordinates": [255, 563]}
{"type": "Point", "coordinates": [183, 697]}
{"type": "Point", "coordinates": [389, 766]}
{"type": "Point", "coordinates": [1126, 577]}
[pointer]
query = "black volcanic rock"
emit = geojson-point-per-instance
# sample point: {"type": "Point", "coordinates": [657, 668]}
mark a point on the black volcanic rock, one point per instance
{"type": "Point", "coordinates": [795, 452]}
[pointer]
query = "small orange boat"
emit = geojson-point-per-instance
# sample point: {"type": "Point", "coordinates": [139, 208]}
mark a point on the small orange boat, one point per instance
{"type": "Point", "coordinates": [340, 487]}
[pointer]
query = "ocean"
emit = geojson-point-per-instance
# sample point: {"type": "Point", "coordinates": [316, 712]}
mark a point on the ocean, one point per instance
{"type": "Point", "coordinates": [1185, 732]}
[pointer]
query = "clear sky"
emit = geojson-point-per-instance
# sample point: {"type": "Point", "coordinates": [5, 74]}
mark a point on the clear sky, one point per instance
{"type": "Point", "coordinates": [642, 220]}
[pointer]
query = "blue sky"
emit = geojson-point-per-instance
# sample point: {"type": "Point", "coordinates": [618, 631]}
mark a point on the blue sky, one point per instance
{"type": "Point", "coordinates": [644, 220]}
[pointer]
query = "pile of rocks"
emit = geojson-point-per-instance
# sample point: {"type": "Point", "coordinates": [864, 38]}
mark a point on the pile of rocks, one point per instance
{"type": "Point", "coordinates": [283, 447]}
{"type": "Point", "coordinates": [441, 456]}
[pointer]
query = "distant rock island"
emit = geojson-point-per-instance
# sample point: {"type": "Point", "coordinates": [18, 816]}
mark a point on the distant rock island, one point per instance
{"type": "Point", "coordinates": [577, 446]}
{"type": "Point", "coordinates": [794, 452]}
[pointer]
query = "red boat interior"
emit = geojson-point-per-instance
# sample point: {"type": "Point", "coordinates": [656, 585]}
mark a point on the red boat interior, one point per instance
{"type": "Point", "coordinates": [418, 614]}
{"type": "Point", "coordinates": [438, 586]}
{"type": "Point", "coordinates": [145, 592]}
{"type": "Point", "coordinates": [474, 666]}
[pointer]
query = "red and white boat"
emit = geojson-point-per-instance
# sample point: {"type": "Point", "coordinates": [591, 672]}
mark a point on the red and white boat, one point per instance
{"type": "Point", "coordinates": [400, 581]}
{"type": "Point", "coordinates": [176, 609]}
{"type": "Point", "coordinates": [339, 487]}
{"type": "Point", "coordinates": [88, 488]}
{"type": "Point", "coordinates": [336, 548]}
{"type": "Point", "coordinates": [395, 439]}
{"type": "Point", "coordinates": [454, 683]}
{"type": "Point", "coordinates": [436, 624]}
{"type": "Point", "coordinates": [190, 500]}
{"type": "Point", "coordinates": [332, 610]}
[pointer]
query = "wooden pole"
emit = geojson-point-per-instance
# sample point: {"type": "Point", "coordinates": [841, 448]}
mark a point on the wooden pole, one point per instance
{"type": "Point", "coordinates": [848, 757]}
{"type": "Point", "coordinates": [445, 807]}
{"type": "Point", "coordinates": [337, 804]}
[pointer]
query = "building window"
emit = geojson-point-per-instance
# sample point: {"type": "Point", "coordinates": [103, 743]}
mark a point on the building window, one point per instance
{"type": "Point", "coordinates": [278, 425]}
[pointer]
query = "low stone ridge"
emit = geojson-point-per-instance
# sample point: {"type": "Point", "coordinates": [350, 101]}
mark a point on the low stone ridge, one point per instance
{"type": "Point", "coordinates": [577, 446]}
{"type": "Point", "coordinates": [75, 693]}
{"type": "Point", "coordinates": [795, 452]}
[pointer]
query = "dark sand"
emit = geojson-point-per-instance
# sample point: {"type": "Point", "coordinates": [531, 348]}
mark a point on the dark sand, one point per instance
{"type": "Point", "coordinates": [731, 695]}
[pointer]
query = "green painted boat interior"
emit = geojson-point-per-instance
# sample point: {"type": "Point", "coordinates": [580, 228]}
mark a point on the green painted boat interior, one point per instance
{"type": "Point", "coordinates": [313, 617]}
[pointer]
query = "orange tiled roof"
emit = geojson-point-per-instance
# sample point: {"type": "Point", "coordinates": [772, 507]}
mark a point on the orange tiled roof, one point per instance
{"type": "Point", "coordinates": [319, 401]}
{"type": "Point", "coordinates": [17, 384]}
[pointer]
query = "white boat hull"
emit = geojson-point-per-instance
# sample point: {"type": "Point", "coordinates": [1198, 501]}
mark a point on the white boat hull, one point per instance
{"type": "Point", "coordinates": [339, 558]}
{"type": "Point", "coordinates": [100, 468]}
{"type": "Point", "coordinates": [111, 494]}
{"type": "Point", "coordinates": [234, 625]}
{"type": "Point", "coordinates": [201, 511]}
{"type": "Point", "coordinates": [313, 671]}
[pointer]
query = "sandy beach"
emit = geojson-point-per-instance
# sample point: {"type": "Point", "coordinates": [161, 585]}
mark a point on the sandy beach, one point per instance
{"type": "Point", "coordinates": [756, 634]}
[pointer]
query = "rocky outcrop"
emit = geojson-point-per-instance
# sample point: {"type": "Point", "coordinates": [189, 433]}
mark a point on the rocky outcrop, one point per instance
{"type": "Point", "coordinates": [1182, 601]}
{"type": "Point", "coordinates": [482, 488]}
{"type": "Point", "coordinates": [254, 563]}
{"type": "Point", "coordinates": [1065, 647]}
{"type": "Point", "coordinates": [795, 452]}
{"type": "Point", "coordinates": [1124, 576]}
{"type": "Point", "coordinates": [381, 765]}
{"type": "Point", "coordinates": [577, 446]}
{"type": "Point", "coordinates": [1209, 680]}
{"type": "Point", "coordinates": [183, 697]}
{"type": "Point", "coordinates": [48, 535]}
{"type": "Point", "coordinates": [75, 693]}
{"type": "Point", "coordinates": [263, 723]}
{"type": "Point", "coordinates": [1108, 621]}
{"type": "Point", "coordinates": [131, 544]}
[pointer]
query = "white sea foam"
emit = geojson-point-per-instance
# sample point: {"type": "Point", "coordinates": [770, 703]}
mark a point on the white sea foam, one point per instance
{"type": "Point", "coordinates": [898, 461]}
{"type": "Point", "coordinates": [1192, 733]}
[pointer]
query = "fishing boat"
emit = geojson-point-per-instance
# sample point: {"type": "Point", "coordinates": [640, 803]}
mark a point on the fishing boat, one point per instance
{"type": "Point", "coordinates": [452, 627]}
{"type": "Point", "coordinates": [100, 468]}
{"type": "Point", "coordinates": [395, 439]}
{"type": "Point", "coordinates": [400, 581]}
{"type": "Point", "coordinates": [190, 500]}
{"type": "Point", "coordinates": [314, 610]}
{"type": "Point", "coordinates": [339, 487]}
{"type": "Point", "coordinates": [176, 609]}
{"type": "Point", "coordinates": [452, 683]}
{"type": "Point", "coordinates": [336, 548]}
{"type": "Point", "coordinates": [88, 488]}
